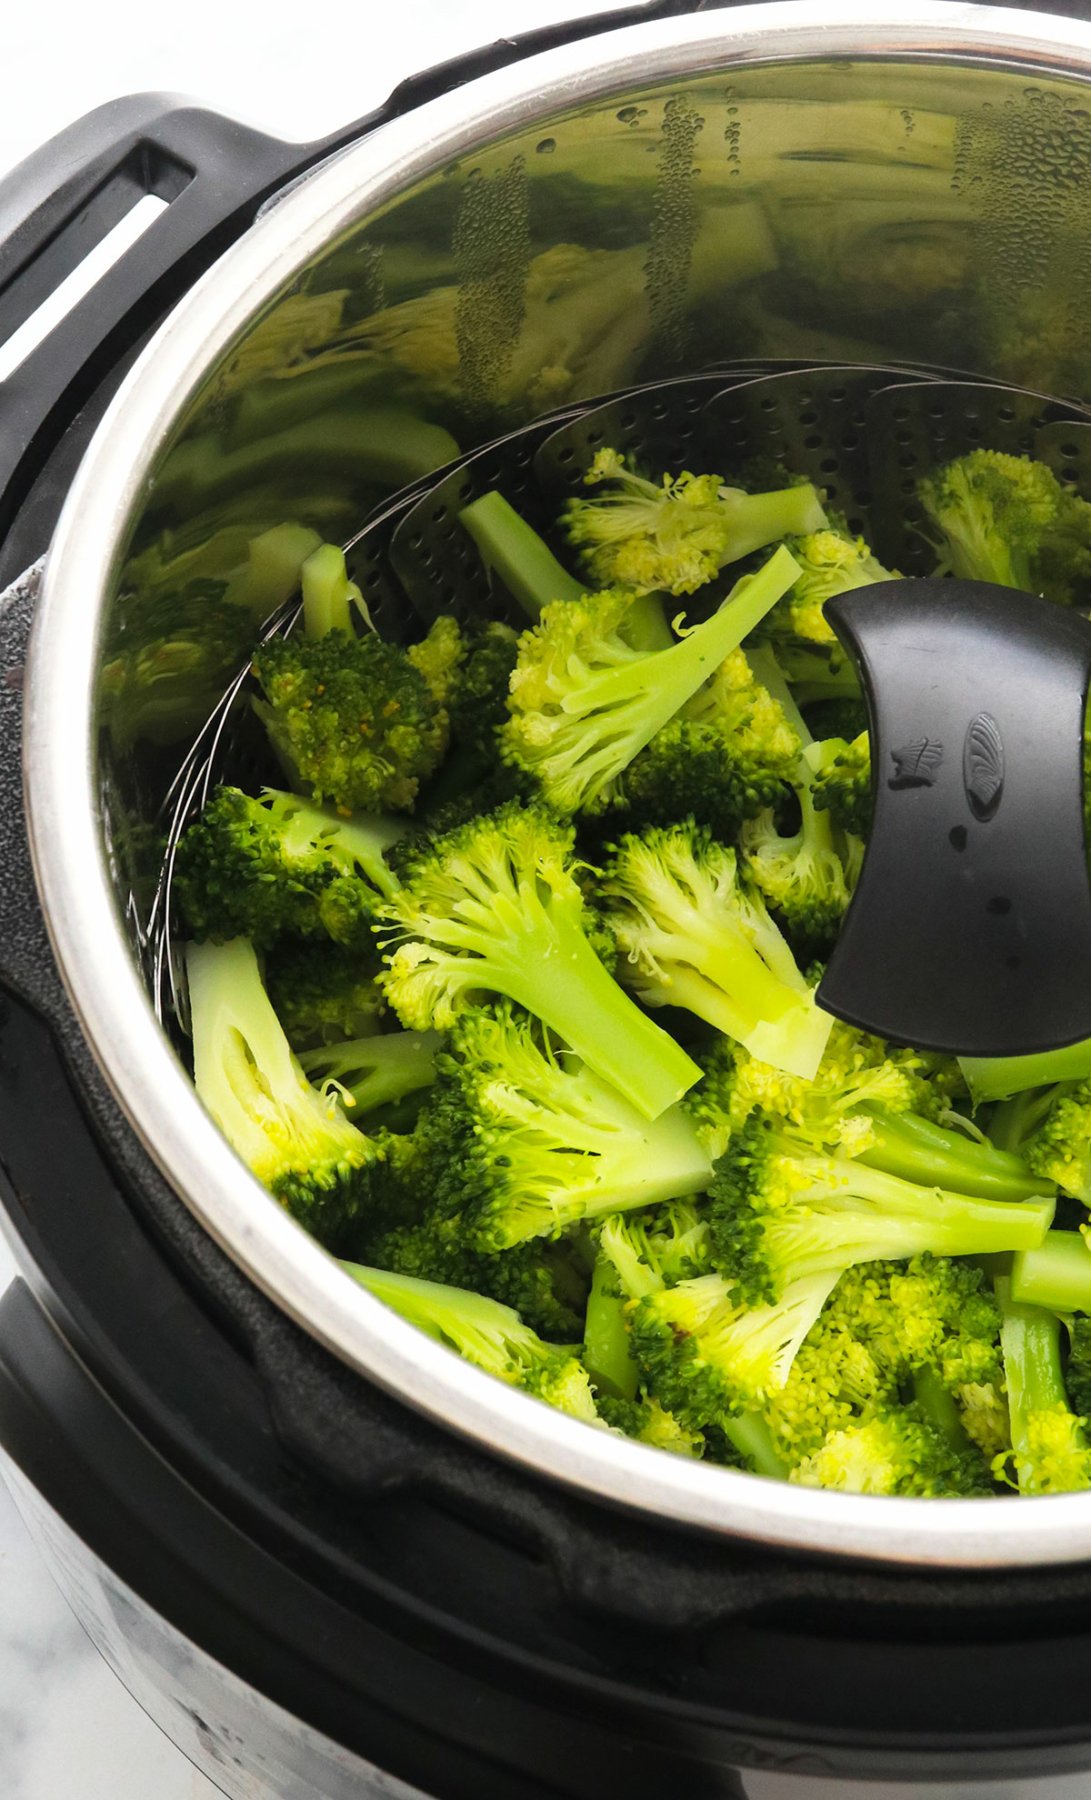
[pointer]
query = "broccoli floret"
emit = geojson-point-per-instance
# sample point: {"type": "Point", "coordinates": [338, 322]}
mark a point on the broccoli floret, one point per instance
{"type": "Point", "coordinates": [535, 1141]}
{"type": "Point", "coordinates": [477, 703]}
{"type": "Point", "coordinates": [675, 535]}
{"type": "Point", "coordinates": [488, 1334]}
{"type": "Point", "coordinates": [294, 1139]}
{"type": "Point", "coordinates": [649, 1423]}
{"type": "Point", "coordinates": [842, 782]}
{"type": "Point", "coordinates": [845, 718]}
{"type": "Point", "coordinates": [730, 751]}
{"type": "Point", "coordinates": [542, 1281]}
{"type": "Point", "coordinates": [694, 936]}
{"type": "Point", "coordinates": [1049, 1452]}
{"type": "Point", "coordinates": [817, 672]}
{"type": "Point", "coordinates": [1007, 519]}
{"type": "Point", "coordinates": [782, 1210]}
{"type": "Point", "coordinates": [352, 718]}
{"type": "Point", "coordinates": [263, 867]}
{"type": "Point", "coordinates": [495, 908]}
{"type": "Point", "coordinates": [1077, 1375]}
{"type": "Point", "coordinates": [706, 1355]}
{"type": "Point", "coordinates": [653, 1249]}
{"type": "Point", "coordinates": [1057, 1136]}
{"type": "Point", "coordinates": [368, 1072]}
{"type": "Point", "coordinates": [831, 562]}
{"type": "Point", "coordinates": [895, 1452]}
{"type": "Point", "coordinates": [801, 875]}
{"type": "Point", "coordinates": [323, 993]}
{"type": "Point", "coordinates": [584, 702]}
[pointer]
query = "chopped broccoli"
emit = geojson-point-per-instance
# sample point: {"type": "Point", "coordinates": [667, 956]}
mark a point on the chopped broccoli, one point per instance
{"type": "Point", "coordinates": [819, 673]}
{"type": "Point", "coordinates": [513, 552]}
{"type": "Point", "coordinates": [653, 1249]}
{"type": "Point", "coordinates": [1077, 1375]}
{"type": "Point", "coordinates": [1049, 1448]}
{"type": "Point", "coordinates": [1007, 519]}
{"type": "Point", "coordinates": [842, 782]}
{"type": "Point", "coordinates": [294, 1139]}
{"type": "Point", "coordinates": [368, 1072]}
{"type": "Point", "coordinates": [323, 993]}
{"type": "Point", "coordinates": [496, 908]}
{"type": "Point", "coordinates": [802, 875]}
{"type": "Point", "coordinates": [729, 751]}
{"type": "Point", "coordinates": [782, 1210]}
{"type": "Point", "coordinates": [676, 534]}
{"type": "Point", "coordinates": [488, 1334]}
{"type": "Point", "coordinates": [353, 719]}
{"type": "Point", "coordinates": [535, 1141]}
{"type": "Point", "coordinates": [584, 702]}
{"type": "Point", "coordinates": [831, 562]}
{"type": "Point", "coordinates": [649, 1423]}
{"type": "Point", "coordinates": [477, 703]}
{"type": "Point", "coordinates": [999, 1077]}
{"type": "Point", "coordinates": [541, 1280]}
{"type": "Point", "coordinates": [694, 936]}
{"type": "Point", "coordinates": [707, 1355]}
{"type": "Point", "coordinates": [607, 1355]}
{"type": "Point", "coordinates": [328, 594]}
{"type": "Point", "coordinates": [895, 1452]}
{"type": "Point", "coordinates": [1056, 1140]}
{"type": "Point", "coordinates": [264, 867]}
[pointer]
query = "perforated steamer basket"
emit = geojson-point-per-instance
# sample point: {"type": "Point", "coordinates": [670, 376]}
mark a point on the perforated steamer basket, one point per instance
{"type": "Point", "coordinates": [782, 182]}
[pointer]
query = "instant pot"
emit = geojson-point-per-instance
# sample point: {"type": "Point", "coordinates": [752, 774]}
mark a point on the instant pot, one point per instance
{"type": "Point", "coordinates": [329, 1558]}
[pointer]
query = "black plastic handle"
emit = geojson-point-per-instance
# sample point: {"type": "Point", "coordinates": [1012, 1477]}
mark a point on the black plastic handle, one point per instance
{"type": "Point", "coordinates": [970, 928]}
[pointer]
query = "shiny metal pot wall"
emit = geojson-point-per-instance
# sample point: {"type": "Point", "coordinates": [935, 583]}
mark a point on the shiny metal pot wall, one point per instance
{"type": "Point", "coordinates": [783, 181]}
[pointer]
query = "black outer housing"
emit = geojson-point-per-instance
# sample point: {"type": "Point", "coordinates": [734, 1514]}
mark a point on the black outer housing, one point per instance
{"type": "Point", "coordinates": [469, 1628]}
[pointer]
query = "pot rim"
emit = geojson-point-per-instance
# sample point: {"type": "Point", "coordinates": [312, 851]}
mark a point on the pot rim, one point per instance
{"type": "Point", "coordinates": [69, 855]}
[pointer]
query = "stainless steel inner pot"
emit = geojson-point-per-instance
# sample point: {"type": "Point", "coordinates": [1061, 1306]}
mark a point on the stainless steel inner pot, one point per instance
{"type": "Point", "coordinates": [786, 180]}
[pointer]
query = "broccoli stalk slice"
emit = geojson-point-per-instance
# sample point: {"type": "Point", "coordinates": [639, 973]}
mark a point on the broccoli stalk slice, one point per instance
{"type": "Point", "coordinates": [753, 1439]}
{"type": "Point", "coordinates": [919, 1150]}
{"type": "Point", "coordinates": [369, 1072]}
{"type": "Point", "coordinates": [1057, 1274]}
{"type": "Point", "coordinates": [938, 1407]}
{"type": "Point", "coordinates": [328, 594]}
{"type": "Point", "coordinates": [486, 1333]}
{"type": "Point", "coordinates": [1000, 1077]}
{"type": "Point", "coordinates": [1049, 1450]}
{"type": "Point", "coordinates": [294, 1139]}
{"type": "Point", "coordinates": [495, 908]}
{"type": "Point", "coordinates": [512, 551]}
{"type": "Point", "coordinates": [584, 703]}
{"type": "Point", "coordinates": [606, 1351]}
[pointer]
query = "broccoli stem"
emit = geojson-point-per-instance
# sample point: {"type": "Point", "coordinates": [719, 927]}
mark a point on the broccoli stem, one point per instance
{"type": "Point", "coordinates": [515, 553]}
{"type": "Point", "coordinates": [645, 625]}
{"type": "Point", "coordinates": [607, 1354]}
{"type": "Point", "coordinates": [938, 1407]}
{"type": "Point", "coordinates": [918, 1150]}
{"type": "Point", "coordinates": [327, 592]}
{"type": "Point", "coordinates": [1057, 1274]}
{"type": "Point", "coordinates": [905, 1217]}
{"type": "Point", "coordinates": [1013, 1120]}
{"type": "Point", "coordinates": [374, 1071]}
{"type": "Point", "coordinates": [753, 1439]}
{"type": "Point", "coordinates": [760, 519]}
{"type": "Point", "coordinates": [1000, 1077]}
{"type": "Point", "coordinates": [1030, 1338]}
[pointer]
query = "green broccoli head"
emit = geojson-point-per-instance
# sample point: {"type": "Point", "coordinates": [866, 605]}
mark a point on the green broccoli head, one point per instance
{"type": "Point", "coordinates": [803, 876]}
{"type": "Point", "coordinates": [695, 936]}
{"type": "Point", "coordinates": [477, 700]}
{"type": "Point", "coordinates": [650, 1423]}
{"type": "Point", "coordinates": [677, 534]}
{"type": "Point", "coordinates": [842, 782]}
{"type": "Point", "coordinates": [831, 562]}
{"type": "Point", "coordinates": [1049, 1451]}
{"type": "Point", "coordinates": [543, 1142]}
{"type": "Point", "coordinates": [1007, 519]}
{"type": "Point", "coordinates": [496, 908]}
{"type": "Point", "coordinates": [585, 701]}
{"type": "Point", "coordinates": [488, 1334]}
{"type": "Point", "coordinates": [273, 865]}
{"type": "Point", "coordinates": [1059, 1146]}
{"type": "Point", "coordinates": [322, 992]}
{"type": "Point", "coordinates": [655, 1248]}
{"type": "Point", "coordinates": [352, 718]}
{"type": "Point", "coordinates": [706, 1355]}
{"type": "Point", "coordinates": [895, 1451]}
{"type": "Point", "coordinates": [728, 753]}
{"type": "Point", "coordinates": [542, 1281]}
{"type": "Point", "coordinates": [781, 1210]}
